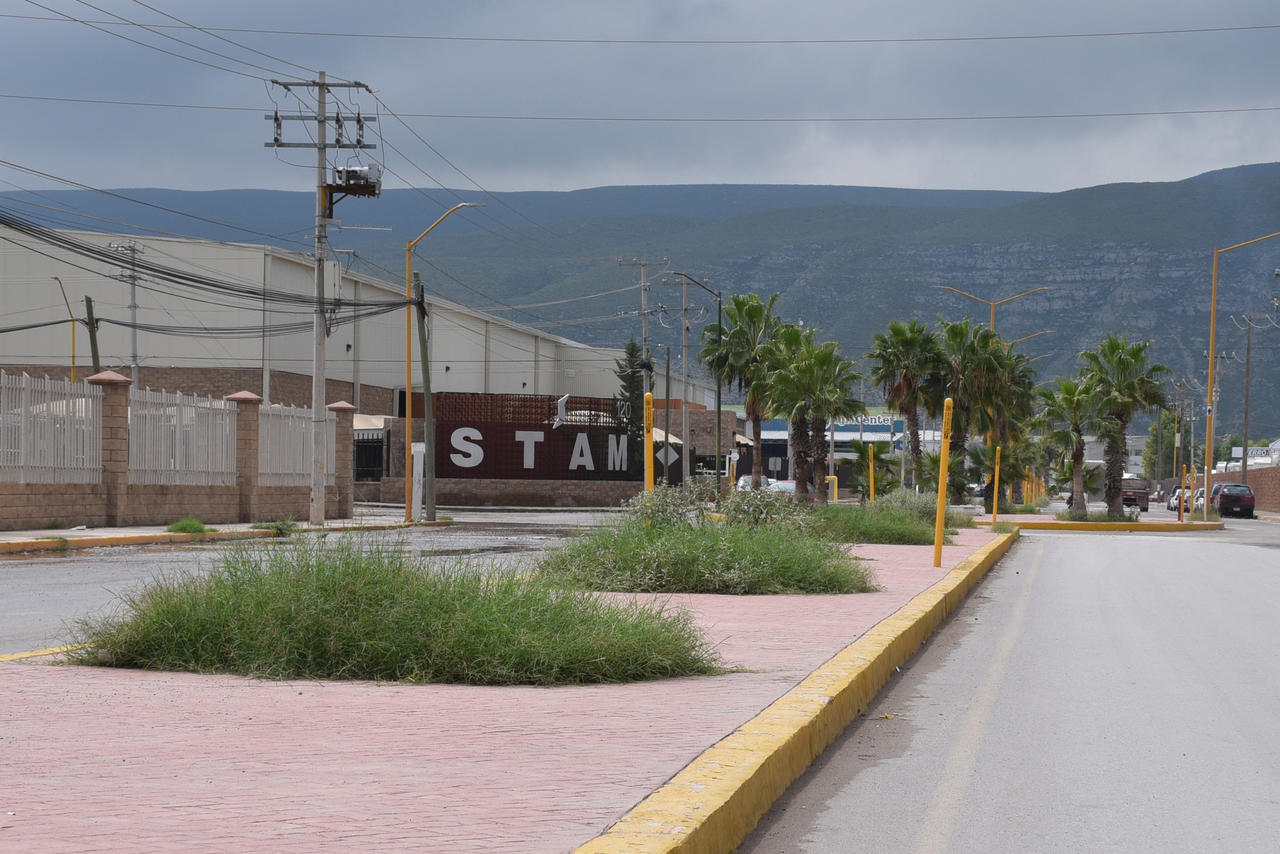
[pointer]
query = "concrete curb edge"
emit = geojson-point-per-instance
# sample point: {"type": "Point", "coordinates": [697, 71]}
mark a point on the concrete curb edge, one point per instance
{"type": "Point", "coordinates": [62, 544]}
{"type": "Point", "coordinates": [1131, 527]}
{"type": "Point", "coordinates": [710, 805]}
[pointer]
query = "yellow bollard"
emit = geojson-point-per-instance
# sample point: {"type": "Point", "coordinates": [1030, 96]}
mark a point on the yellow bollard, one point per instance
{"type": "Point", "coordinates": [1182, 496]}
{"type": "Point", "coordinates": [648, 441]}
{"type": "Point", "coordinates": [995, 490]}
{"type": "Point", "coordinates": [833, 489]}
{"type": "Point", "coordinates": [871, 469]}
{"type": "Point", "coordinates": [940, 517]}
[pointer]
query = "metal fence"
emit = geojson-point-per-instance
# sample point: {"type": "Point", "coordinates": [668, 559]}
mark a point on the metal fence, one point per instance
{"type": "Point", "coordinates": [50, 430]}
{"type": "Point", "coordinates": [284, 446]}
{"type": "Point", "coordinates": [177, 438]}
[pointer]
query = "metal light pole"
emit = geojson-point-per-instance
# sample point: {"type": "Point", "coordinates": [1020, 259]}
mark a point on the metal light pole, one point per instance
{"type": "Point", "coordinates": [992, 304]}
{"type": "Point", "coordinates": [1213, 329]}
{"type": "Point", "coordinates": [73, 326]}
{"type": "Point", "coordinates": [719, 341]}
{"type": "Point", "coordinates": [429, 476]}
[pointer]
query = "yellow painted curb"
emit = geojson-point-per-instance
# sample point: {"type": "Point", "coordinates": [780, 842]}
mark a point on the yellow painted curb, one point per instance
{"type": "Point", "coordinates": [37, 653]}
{"type": "Point", "coordinates": [714, 801]}
{"type": "Point", "coordinates": [1137, 527]}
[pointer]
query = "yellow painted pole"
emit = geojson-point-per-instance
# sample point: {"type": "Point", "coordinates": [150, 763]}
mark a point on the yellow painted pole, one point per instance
{"type": "Point", "coordinates": [648, 441]}
{"type": "Point", "coordinates": [871, 469]}
{"type": "Point", "coordinates": [833, 488]}
{"type": "Point", "coordinates": [940, 517]}
{"type": "Point", "coordinates": [733, 475]}
{"type": "Point", "coordinates": [995, 490]}
{"type": "Point", "coordinates": [1182, 495]}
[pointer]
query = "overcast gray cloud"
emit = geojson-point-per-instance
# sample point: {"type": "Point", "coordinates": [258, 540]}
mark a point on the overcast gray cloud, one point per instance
{"type": "Point", "coordinates": [117, 146]}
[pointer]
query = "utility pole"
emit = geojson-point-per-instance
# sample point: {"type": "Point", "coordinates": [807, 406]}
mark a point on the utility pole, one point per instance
{"type": "Point", "coordinates": [666, 426]}
{"type": "Point", "coordinates": [646, 359]}
{"type": "Point", "coordinates": [131, 276]}
{"type": "Point", "coordinates": [324, 212]}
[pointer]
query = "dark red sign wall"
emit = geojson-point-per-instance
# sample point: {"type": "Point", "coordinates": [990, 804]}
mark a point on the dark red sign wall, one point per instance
{"type": "Point", "coordinates": [532, 437]}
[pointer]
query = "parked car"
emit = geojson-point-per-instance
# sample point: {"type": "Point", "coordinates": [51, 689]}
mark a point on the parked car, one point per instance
{"type": "Point", "coordinates": [744, 482]}
{"type": "Point", "coordinates": [788, 487]}
{"type": "Point", "coordinates": [1197, 500]}
{"type": "Point", "coordinates": [1232, 499]}
{"type": "Point", "coordinates": [1176, 496]}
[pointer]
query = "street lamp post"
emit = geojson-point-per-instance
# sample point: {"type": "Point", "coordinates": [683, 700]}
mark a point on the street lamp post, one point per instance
{"type": "Point", "coordinates": [429, 459]}
{"type": "Point", "coordinates": [719, 334]}
{"type": "Point", "coordinates": [992, 304]}
{"type": "Point", "coordinates": [1213, 329]}
{"type": "Point", "coordinates": [73, 326]}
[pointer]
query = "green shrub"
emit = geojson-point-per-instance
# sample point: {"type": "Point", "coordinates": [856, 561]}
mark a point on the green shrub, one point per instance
{"type": "Point", "coordinates": [925, 506]}
{"type": "Point", "coordinates": [189, 525]}
{"type": "Point", "coordinates": [710, 558]}
{"type": "Point", "coordinates": [358, 610]}
{"type": "Point", "coordinates": [1004, 527]}
{"type": "Point", "coordinates": [281, 527]}
{"type": "Point", "coordinates": [760, 507]}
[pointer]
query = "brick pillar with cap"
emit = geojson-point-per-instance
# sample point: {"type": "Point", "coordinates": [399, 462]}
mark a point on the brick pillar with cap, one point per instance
{"type": "Point", "coordinates": [115, 444]}
{"type": "Point", "coordinates": [247, 481]}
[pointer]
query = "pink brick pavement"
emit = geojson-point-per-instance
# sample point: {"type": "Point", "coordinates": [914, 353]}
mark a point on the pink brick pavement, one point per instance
{"type": "Point", "coordinates": [116, 760]}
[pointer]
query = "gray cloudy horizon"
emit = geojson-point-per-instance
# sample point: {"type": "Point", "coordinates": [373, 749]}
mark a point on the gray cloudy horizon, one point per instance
{"type": "Point", "coordinates": [915, 82]}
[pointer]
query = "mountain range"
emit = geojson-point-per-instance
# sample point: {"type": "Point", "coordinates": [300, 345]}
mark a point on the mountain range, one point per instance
{"type": "Point", "coordinates": [1131, 259]}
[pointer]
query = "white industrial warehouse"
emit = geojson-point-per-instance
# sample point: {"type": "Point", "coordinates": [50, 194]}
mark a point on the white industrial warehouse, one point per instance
{"type": "Point", "coordinates": [215, 339]}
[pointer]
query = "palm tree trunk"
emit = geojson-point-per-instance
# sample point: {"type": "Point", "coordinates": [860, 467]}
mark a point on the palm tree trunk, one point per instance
{"type": "Point", "coordinates": [818, 444]}
{"type": "Point", "coordinates": [800, 449]}
{"type": "Point", "coordinates": [1115, 473]}
{"type": "Point", "coordinates": [1079, 501]}
{"type": "Point", "coordinates": [913, 427]}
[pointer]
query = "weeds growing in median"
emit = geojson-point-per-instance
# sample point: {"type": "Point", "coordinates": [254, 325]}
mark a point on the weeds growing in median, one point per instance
{"type": "Point", "coordinates": [358, 610]}
{"type": "Point", "coordinates": [873, 523]}
{"type": "Point", "coordinates": [763, 546]}
{"type": "Point", "coordinates": [281, 527]}
{"type": "Point", "coordinates": [189, 525]}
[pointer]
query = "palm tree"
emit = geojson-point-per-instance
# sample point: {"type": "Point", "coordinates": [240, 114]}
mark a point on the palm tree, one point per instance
{"type": "Point", "coordinates": [736, 352]}
{"type": "Point", "coordinates": [1068, 412]}
{"type": "Point", "coordinates": [904, 358]}
{"type": "Point", "coordinates": [1127, 385]}
{"type": "Point", "coordinates": [831, 377]}
{"type": "Point", "coordinates": [788, 393]}
{"type": "Point", "coordinates": [968, 372]}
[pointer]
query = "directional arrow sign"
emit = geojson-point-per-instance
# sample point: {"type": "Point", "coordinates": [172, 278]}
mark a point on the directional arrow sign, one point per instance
{"type": "Point", "coordinates": [667, 455]}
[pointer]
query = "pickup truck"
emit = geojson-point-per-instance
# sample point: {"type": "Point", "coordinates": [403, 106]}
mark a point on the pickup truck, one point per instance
{"type": "Point", "coordinates": [1135, 492]}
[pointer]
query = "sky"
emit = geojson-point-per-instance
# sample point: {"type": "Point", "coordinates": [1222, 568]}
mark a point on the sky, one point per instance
{"type": "Point", "coordinates": [511, 95]}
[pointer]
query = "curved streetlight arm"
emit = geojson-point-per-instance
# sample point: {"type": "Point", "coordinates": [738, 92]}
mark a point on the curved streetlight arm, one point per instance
{"type": "Point", "coordinates": [408, 376]}
{"type": "Point", "coordinates": [991, 304]}
{"type": "Point", "coordinates": [1213, 329]}
{"type": "Point", "coordinates": [73, 326]}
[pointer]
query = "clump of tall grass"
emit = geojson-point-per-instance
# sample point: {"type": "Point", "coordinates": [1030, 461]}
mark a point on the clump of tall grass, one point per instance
{"type": "Point", "coordinates": [189, 525]}
{"type": "Point", "coordinates": [925, 506]}
{"type": "Point", "coordinates": [666, 546]}
{"type": "Point", "coordinates": [358, 610]}
{"type": "Point", "coordinates": [873, 523]}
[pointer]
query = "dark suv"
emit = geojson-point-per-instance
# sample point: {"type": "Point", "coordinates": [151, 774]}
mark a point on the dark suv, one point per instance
{"type": "Point", "coordinates": [1235, 499]}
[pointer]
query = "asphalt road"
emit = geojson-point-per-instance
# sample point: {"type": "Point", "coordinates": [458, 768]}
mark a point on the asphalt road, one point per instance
{"type": "Point", "coordinates": [44, 593]}
{"type": "Point", "coordinates": [1096, 693]}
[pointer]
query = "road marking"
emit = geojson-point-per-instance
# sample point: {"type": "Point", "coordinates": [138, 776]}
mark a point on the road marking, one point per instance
{"type": "Point", "coordinates": [938, 825]}
{"type": "Point", "coordinates": [36, 653]}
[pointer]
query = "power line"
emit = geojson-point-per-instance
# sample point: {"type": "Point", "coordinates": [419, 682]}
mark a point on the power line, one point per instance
{"type": "Point", "coordinates": [720, 42]}
{"type": "Point", "coordinates": [511, 117]}
{"type": "Point", "coordinates": [103, 29]}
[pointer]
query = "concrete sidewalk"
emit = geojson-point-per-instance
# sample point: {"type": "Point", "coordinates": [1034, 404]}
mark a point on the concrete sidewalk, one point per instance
{"type": "Point", "coordinates": [117, 760]}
